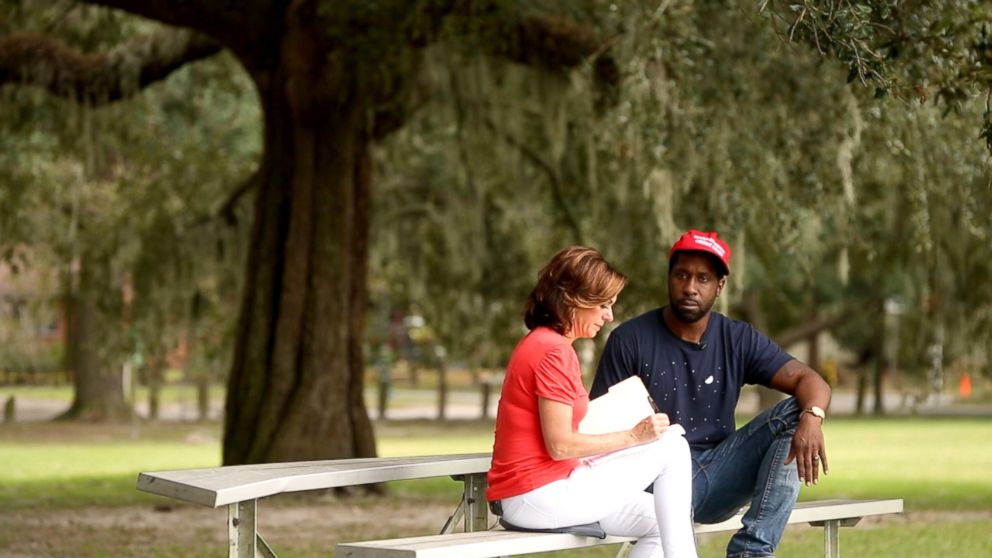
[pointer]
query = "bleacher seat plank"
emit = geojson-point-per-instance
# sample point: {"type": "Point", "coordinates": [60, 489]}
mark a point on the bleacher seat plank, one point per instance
{"type": "Point", "coordinates": [219, 486]}
{"type": "Point", "coordinates": [478, 544]}
{"type": "Point", "coordinates": [498, 542]}
{"type": "Point", "coordinates": [818, 510]}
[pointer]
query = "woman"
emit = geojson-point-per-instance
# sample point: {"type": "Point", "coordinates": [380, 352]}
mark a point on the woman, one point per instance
{"type": "Point", "coordinates": [545, 474]}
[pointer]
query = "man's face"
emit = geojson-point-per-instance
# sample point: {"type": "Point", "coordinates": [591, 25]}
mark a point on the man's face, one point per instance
{"type": "Point", "coordinates": [693, 287]}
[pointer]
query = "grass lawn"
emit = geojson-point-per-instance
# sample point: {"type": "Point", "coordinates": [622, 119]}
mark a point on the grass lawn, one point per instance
{"type": "Point", "coordinates": [932, 463]}
{"type": "Point", "coordinates": [939, 466]}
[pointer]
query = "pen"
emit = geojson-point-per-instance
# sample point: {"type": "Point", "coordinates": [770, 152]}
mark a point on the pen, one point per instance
{"type": "Point", "coordinates": [653, 404]}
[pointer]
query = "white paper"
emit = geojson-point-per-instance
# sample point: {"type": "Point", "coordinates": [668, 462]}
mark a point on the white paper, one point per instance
{"type": "Point", "coordinates": [624, 405]}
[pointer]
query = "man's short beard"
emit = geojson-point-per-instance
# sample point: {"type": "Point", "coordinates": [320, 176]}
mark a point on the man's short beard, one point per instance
{"type": "Point", "coordinates": [680, 316]}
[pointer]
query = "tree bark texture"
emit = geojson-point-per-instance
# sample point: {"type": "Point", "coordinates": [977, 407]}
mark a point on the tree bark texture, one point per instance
{"type": "Point", "coordinates": [878, 386]}
{"type": "Point", "coordinates": [340, 76]}
{"type": "Point", "coordinates": [295, 389]}
{"type": "Point", "coordinates": [98, 393]}
{"type": "Point", "coordinates": [863, 373]}
{"type": "Point", "coordinates": [154, 378]}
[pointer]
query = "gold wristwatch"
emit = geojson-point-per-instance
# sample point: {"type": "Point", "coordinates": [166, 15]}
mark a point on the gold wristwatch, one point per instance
{"type": "Point", "coordinates": [816, 412]}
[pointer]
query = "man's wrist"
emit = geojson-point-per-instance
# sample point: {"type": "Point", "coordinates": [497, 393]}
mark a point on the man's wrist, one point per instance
{"type": "Point", "coordinates": [815, 411]}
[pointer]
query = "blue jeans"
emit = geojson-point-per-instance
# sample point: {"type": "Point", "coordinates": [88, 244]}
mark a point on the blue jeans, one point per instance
{"type": "Point", "coordinates": [748, 468]}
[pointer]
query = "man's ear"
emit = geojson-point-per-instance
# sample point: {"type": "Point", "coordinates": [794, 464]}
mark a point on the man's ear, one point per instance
{"type": "Point", "coordinates": [720, 285]}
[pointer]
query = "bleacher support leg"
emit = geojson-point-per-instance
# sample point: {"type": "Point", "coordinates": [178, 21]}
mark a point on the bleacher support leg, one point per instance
{"type": "Point", "coordinates": [831, 534]}
{"type": "Point", "coordinates": [831, 539]}
{"type": "Point", "coordinates": [475, 505]}
{"type": "Point", "coordinates": [242, 535]}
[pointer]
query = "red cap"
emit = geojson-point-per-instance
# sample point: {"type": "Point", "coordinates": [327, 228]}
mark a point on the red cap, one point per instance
{"type": "Point", "coordinates": [699, 241]}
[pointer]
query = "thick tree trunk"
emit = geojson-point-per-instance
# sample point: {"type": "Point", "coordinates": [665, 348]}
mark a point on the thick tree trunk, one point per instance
{"type": "Point", "coordinates": [155, 375]}
{"type": "Point", "coordinates": [295, 389]}
{"type": "Point", "coordinates": [98, 394]}
{"type": "Point", "coordinates": [813, 345]}
{"type": "Point", "coordinates": [202, 397]}
{"type": "Point", "coordinates": [751, 308]}
{"type": "Point", "coordinates": [442, 386]}
{"type": "Point", "coordinates": [332, 77]}
{"type": "Point", "coordinates": [863, 373]}
{"type": "Point", "coordinates": [878, 386]}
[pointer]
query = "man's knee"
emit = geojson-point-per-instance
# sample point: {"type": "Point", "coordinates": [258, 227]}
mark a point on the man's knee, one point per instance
{"type": "Point", "coordinates": [786, 407]}
{"type": "Point", "coordinates": [786, 412]}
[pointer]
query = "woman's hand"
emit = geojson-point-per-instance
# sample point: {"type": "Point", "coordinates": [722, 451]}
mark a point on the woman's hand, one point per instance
{"type": "Point", "coordinates": [650, 428]}
{"type": "Point", "coordinates": [562, 442]}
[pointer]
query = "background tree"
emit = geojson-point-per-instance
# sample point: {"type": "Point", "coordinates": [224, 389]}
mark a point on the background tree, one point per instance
{"type": "Point", "coordinates": [89, 192]}
{"type": "Point", "coordinates": [718, 124]}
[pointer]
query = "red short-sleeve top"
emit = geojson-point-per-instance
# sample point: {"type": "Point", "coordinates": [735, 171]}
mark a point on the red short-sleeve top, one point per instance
{"type": "Point", "coordinates": [543, 364]}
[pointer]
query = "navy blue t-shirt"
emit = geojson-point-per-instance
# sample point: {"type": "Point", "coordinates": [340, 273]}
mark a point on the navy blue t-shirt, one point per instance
{"type": "Point", "coordinates": [696, 384]}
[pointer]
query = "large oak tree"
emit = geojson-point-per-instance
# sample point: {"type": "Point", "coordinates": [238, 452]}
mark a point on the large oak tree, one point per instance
{"type": "Point", "coordinates": [332, 78]}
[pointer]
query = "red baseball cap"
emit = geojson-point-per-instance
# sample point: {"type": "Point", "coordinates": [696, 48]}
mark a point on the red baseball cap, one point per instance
{"type": "Point", "coordinates": [699, 241]}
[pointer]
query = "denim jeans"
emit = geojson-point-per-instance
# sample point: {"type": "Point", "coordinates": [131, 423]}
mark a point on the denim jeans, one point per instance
{"type": "Point", "coordinates": [748, 468]}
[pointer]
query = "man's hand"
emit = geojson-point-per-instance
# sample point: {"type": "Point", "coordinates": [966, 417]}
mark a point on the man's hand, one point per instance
{"type": "Point", "coordinates": [809, 389]}
{"type": "Point", "coordinates": [809, 449]}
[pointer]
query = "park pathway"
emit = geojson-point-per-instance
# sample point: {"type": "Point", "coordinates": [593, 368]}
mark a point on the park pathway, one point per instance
{"type": "Point", "coordinates": [413, 404]}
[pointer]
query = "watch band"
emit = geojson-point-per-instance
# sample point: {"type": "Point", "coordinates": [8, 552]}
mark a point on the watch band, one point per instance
{"type": "Point", "coordinates": [816, 412]}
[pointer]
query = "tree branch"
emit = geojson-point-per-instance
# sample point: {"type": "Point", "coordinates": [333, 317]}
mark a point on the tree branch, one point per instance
{"type": "Point", "coordinates": [217, 19]}
{"type": "Point", "coordinates": [227, 209]}
{"type": "Point", "coordinates": [802, 331]}
{"type": "Point", "coordinates": [99, 78]}
{"type": "Point", "coordinates": [555, 43]}
{"type": "Point", "coordinates": [556, 186]}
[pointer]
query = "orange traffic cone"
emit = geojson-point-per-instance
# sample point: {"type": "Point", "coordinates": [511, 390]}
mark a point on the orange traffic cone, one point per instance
{"type": "Point", "coordinates": [964, 386]}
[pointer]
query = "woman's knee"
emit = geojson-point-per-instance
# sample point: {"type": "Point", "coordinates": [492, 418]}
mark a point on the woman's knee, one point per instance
{"type": "Point", "coordinates": [677, 444]}
{"type": "Point", "coordinates": [671, 447]}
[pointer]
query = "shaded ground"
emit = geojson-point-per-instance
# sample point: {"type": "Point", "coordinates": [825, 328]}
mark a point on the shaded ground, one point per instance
{"type": "Point", "coordinates": [293, 527]}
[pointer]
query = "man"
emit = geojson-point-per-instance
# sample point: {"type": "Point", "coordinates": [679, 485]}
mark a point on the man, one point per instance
{"type": "Point", "coordinates": [694, 362]}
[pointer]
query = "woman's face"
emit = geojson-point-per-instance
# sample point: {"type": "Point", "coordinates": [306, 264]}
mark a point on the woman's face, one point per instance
{"type": "Point", "coordinates": [587, 322]}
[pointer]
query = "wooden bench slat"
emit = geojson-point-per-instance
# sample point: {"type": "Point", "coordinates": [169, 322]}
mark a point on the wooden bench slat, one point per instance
{"type": "Point", "coordinates": [498, 542]}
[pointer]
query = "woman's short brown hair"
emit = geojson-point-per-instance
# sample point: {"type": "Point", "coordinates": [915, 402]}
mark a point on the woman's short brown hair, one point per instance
{"type": "Point", "coordinates": [576, 277]}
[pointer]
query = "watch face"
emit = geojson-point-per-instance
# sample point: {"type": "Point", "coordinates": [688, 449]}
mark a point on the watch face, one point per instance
{"type": "Point", "coordinates": [816, 411]}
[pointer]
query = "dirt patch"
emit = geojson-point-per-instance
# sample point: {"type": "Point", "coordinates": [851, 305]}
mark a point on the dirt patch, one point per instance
{"type": "Point", "coordinates": [293, 528]}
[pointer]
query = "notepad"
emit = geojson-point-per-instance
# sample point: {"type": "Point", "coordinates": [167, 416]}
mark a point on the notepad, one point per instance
{"type": "Point", "coordinates": [624, 405]}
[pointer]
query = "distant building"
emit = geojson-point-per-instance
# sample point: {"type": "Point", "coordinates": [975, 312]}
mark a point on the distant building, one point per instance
{"type": "Point", "coordinates": [32, 324]}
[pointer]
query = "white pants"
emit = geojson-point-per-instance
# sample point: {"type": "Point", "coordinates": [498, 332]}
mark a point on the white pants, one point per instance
{"type": "Point", "coordinates": [610, 489]}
